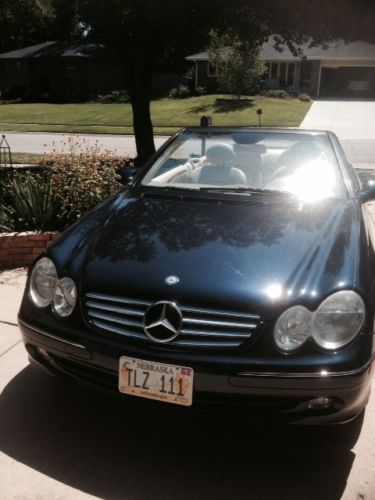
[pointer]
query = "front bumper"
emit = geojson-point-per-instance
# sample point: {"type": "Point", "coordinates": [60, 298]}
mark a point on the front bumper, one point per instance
{"type": "Point", "coordinates": [283, 397]}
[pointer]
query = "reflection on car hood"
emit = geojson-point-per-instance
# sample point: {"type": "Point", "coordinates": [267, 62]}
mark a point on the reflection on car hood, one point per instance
{"type": "Point", "coordinates": [245, 254]}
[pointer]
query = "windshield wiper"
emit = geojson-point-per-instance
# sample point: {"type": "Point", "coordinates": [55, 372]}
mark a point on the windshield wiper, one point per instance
{"type": "Point", "coordinates": [169, 188]}
{"type": "Point", "coordinates": [244, 189]}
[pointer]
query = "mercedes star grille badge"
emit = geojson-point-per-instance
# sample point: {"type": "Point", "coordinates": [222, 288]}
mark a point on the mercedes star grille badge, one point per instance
{"type": "Point", "coordinates": [162, 321]}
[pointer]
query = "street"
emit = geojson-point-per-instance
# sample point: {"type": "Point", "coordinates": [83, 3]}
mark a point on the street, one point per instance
{"type": "Point", "coordinates": [63, 441]}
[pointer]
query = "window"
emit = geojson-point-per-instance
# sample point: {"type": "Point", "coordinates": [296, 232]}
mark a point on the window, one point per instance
{"type": "Point", "coordinates": [282, 74]}
{"type": "Point", "coordinates": [306, 70]}
{"type": "Point", "coordinates": [291, 73]}
{"type": "Point", "coordinates": [70, 70]}
{"type": "Point", "coordinates": [211, 69]}
{"type": "Point", "coordinates": [274, 71]}
{"type": "Point", "coordinates": [195, 160]}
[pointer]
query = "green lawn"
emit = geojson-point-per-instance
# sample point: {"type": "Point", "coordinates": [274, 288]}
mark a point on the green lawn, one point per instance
{"type": "Point", "coordinates": [168, 115]}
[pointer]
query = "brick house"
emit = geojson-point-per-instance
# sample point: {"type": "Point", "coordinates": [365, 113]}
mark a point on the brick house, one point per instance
{"type": "Point", "coordinates": [338, 69]}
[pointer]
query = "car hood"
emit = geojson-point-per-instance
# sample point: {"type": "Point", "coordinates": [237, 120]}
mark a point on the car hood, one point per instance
{"type": "Point", "coordinates": [256, 253]}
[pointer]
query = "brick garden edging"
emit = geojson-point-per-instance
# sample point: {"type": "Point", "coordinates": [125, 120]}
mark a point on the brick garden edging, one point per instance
{"type": "Point", "coordinates": [21, 249]}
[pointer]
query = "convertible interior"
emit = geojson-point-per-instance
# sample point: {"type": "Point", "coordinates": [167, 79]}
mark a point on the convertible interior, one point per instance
{"type": "Point", "coordinates": [245, 164]}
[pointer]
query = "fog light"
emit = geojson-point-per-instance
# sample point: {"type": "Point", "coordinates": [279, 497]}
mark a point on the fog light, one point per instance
{"type": "Point", "coordinates": [43, 353]}
{"type": "Point", "coordinates": [321, 403]}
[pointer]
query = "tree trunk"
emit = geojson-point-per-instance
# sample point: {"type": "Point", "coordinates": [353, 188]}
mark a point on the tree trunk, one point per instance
{"type": "Point", "coordinates": [140, 96]}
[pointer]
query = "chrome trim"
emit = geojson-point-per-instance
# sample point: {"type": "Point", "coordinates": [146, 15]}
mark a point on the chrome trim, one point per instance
{"type": "Point", "coordinates": [212, 322]}
{"type": "Point", "coordinates": [113, 319]}
{"type": "Point", "coordinates": [116, 298]}
{"type": "Point", "coordinates": [199, 333]}
{"type": "Point", "coordinates": [219, 313]}
{"type": "Point", "coordinates": [200, 343]}
{"type": "Point", "coordinates": [120, 331]}
{"type": "Point", "coordinates": [324, 375]}
{"type": "Point", "coordinates": [54, 337]}
{"type": "Point", "coordinates": [108, 307]}
{"type": "Point", "coordinates": [202, 327]}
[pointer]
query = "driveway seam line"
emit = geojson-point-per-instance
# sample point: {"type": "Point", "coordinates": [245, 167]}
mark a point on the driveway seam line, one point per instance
{"type": "Point", "coordinates": [10, 348]}
{"type": "Point", "coordinates": [8, 323]}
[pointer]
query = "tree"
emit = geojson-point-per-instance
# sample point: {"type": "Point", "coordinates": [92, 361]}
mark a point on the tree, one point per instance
{"type": "Point", "coordinates": [29, 22]}
{"type": "Point", "coordinates": [24, 22]}
{"type": "Point", "coordinates": [237, 62]}
{"type": "Point", "coordinates": [145, 33]}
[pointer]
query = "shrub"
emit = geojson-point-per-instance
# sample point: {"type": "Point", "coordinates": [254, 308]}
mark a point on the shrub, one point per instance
{"type": "Point", "coordinates": [180, 92]}
{"type": "Point", "coordinates": [201, 90]}
{"type": "Point", "coordinates": [304, 98]}
{"type": "Point", "coordinates": [82, 176]}
{"type": "Point", "coordinates": [6, 221]}
{"type": "Point", "coordinates": [31, 205]}
{"type": "Point", "coordinates": [276, 94]}
{"type": "Point", "coordinates": [7, 174]}
{"type": "Point", "coordinates": [115, 97]}
{"type": "Point", "coordinates": [64, 187]}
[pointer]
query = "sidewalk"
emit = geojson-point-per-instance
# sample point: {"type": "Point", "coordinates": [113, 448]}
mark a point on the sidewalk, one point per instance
{"type": "Point", "coordinates": [40, 142]}
{"type": "Point", "coordinates": [361, 152]}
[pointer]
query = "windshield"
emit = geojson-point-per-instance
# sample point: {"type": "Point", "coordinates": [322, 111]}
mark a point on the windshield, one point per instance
{"type": "Point", "coordinates": [302, 164]}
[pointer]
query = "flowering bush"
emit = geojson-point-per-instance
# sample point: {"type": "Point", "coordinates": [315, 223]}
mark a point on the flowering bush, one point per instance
{"type": "Point", "coordinates": [70, 181]}
{"type": "Point", "coordinates": [82, 175]}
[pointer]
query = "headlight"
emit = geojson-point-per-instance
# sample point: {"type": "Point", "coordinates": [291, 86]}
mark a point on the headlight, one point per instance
{"type": "Point", "coordinates": [338, 320]}
{"type": "Point", "coordinates": [65, 297]}
{"type": "Point", "coordinates": [292, 328]}
{"type": "Point", "coordinates": [43, 282]}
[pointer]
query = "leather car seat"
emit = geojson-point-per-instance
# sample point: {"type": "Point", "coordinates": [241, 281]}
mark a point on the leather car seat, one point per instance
{"type": "Point", "coordinates": [299, 154]}
{"type": "Point", "coordinates": [218, 169]}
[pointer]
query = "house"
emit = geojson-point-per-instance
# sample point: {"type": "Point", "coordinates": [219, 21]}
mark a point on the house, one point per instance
{"type": "Point", "coordinates": [68, 71]}
{"type": "Point", "coordinates": [338, 69]}
{"type": "Point", "coordinates": [60, 71]}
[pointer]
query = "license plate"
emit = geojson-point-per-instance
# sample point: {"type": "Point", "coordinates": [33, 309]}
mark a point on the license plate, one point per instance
{"type": "Point", "coordinates": [147, 379]}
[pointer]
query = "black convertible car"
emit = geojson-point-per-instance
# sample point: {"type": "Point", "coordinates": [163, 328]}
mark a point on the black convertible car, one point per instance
{"type": "Point", "coordinates": [234, 273]}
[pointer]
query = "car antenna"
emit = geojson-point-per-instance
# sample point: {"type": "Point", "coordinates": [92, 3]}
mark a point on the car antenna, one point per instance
{"type": "Point", "coordinates": [206, 121]}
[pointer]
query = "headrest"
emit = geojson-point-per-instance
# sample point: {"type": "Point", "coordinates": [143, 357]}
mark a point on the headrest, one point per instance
{"type": "Point", "coordinates": [220, 154]}
{"type": "Point", "coordinates": [250, 149]}
{"type": "Point", "coordinates": [301, 151]}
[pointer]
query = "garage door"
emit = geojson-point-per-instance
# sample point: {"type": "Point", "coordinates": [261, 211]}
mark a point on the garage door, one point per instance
{"type": "Point", "coordinates": [347, 82]}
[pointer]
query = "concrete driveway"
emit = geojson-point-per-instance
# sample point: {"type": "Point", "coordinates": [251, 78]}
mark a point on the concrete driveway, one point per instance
{"type": "Point", "coordinates": [60, 441]}
{"type": "Point", "coordinates": [353, 121]}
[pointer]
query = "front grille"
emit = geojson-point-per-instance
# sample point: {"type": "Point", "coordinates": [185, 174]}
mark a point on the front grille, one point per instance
{"type": "Point", "coordinates": [201, 327]}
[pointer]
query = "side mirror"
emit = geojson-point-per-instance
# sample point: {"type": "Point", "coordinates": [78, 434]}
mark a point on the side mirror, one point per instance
{"type": "Point", "coordinates": [368, 191]}
{"type": "Point", "coordinates": [125, 175]}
